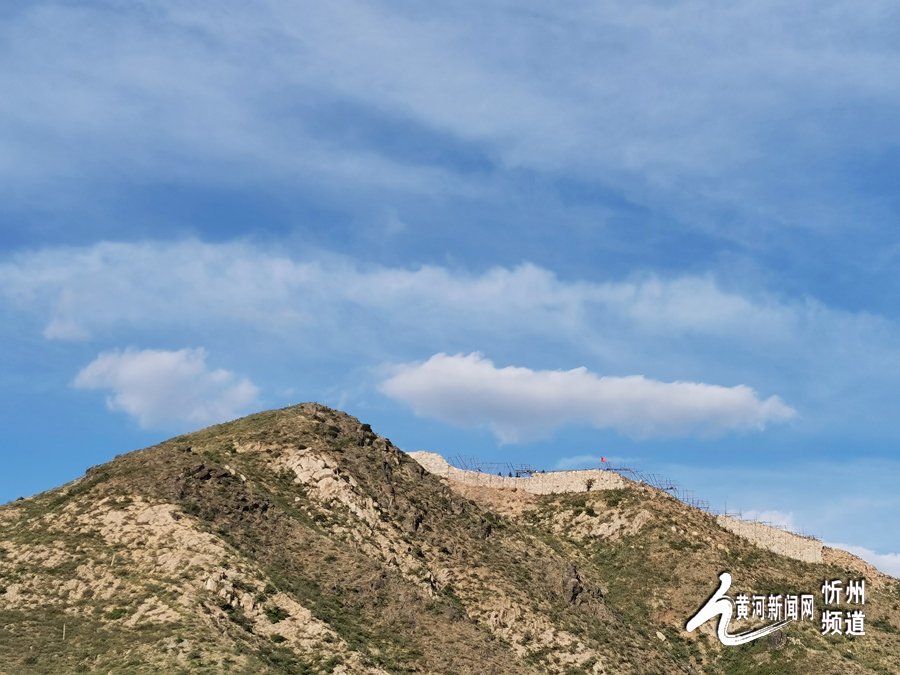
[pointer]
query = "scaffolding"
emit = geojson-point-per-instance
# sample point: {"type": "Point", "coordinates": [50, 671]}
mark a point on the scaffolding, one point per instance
{"type": "Point", "coordinates": [468, 463]}
{"type": "Point", "coordinates": [654, 480]}
{"type": "Point", "coordinates": [651, 479]}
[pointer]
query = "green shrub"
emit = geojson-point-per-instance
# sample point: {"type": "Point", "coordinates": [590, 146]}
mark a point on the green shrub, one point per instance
{"type": "Point", "coordinates": [276, 614]}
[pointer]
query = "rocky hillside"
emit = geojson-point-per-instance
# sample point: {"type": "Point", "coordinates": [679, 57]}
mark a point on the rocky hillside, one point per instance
{"type": "Point", "coordinates": [299, 541]}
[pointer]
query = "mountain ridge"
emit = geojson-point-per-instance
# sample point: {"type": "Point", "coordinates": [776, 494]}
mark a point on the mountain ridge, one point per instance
{"type": "Point", "coordinates": [298, 540]}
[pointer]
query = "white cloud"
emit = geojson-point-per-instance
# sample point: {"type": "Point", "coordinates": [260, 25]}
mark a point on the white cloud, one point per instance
{"type": "Point", "coordinates": [82, 289]}
{"type": "Point", "coordinates": [520, 404]}
{"type": "Point", "coordinates": [162, 389]}
{"type": "Point", "coordinates": [65, 329]}
{"type": "Point", "coordinates": [649, 98]}
{"type": "Point", "coordinates": [681, 328]}
{"type": "Point", "coordinates": [886, 562]}
{"type": "Point", "coordinates": [192, 102]}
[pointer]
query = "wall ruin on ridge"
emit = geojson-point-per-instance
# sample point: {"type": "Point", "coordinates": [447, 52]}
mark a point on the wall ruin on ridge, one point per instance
{"type": "Point", "coordinates": [782, 542]}
{"type": "Point", "coordinates": [788, 544]}
{"type": "Point", "coordinates": [551, 482]}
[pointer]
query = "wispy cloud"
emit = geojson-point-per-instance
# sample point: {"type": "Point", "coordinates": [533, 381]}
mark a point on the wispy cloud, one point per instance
{"type": "Point", "coordinates": [685, 328]}
{"type": "Point", "coordinates": [94, 287]}
{"type": "Point", "coordinates": [166, 389]}
{"type": "Point", "coordinates": [521, 405]}
{"type": "Point", "coordinates": [665, 103]}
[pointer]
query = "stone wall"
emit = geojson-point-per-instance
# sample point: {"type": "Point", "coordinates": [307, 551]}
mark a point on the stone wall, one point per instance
{"type": "Point", "coordinates": [551, 482]}
{"type": "Point", "coordinates": [782, 542]}
{"type": "Point", "coordinates": [788, 544]}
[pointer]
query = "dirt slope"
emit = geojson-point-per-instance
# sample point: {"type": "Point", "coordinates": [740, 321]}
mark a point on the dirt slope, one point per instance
{"type": "Point", "coordinates": [299, 541]}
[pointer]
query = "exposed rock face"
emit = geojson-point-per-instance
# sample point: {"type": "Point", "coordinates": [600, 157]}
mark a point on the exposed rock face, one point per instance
{"type": "Point", "coordinates": [572, 586]}
{"type": "Point", "coordinates": [776, 640]}
{"type": "Point", "coordinates": [300, 541]}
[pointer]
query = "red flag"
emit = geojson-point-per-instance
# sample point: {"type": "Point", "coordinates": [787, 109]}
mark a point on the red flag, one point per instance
{"type": "Point", "coordinates": [603, 459]}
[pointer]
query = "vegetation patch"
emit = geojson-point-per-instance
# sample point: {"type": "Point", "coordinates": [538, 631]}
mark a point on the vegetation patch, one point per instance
{"type": "Point", "coordinates": [276, 614]}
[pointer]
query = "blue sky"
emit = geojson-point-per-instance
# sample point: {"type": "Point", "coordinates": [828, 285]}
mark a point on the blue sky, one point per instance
{"type": "Point", "coordinates": [660, 232]}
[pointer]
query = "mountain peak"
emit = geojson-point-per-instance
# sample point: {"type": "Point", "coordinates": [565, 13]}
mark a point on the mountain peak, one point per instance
{"type": "Point", "coordinates": [298, 540]}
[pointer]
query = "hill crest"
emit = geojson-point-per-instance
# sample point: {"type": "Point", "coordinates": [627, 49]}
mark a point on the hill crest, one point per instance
{"type": "Point", "coordinates": [298, 540]}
